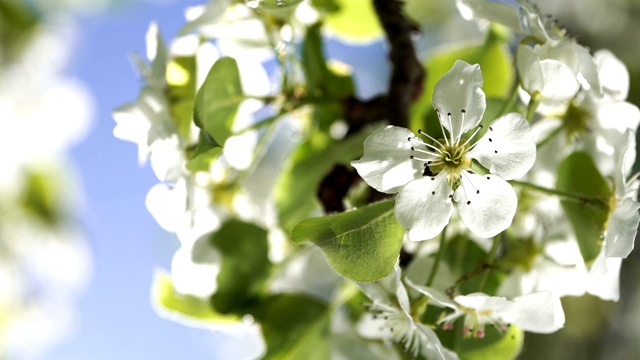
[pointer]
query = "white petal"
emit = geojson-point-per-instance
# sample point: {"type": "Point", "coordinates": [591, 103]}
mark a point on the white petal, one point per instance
{"type": "Point", "coordinates": [460, 89]}
{"type": "Point", "coordinates": [604, 277]}
{"type": "Point", "coordinates": [486, 204]}
{"type": "Point", "coordinates": [613, 74]}
{"type": "Point", "coordinates": [480, 301]}
{"type": "Point", "coordinates": [436, 296]}
{"type": "Point", "coordinates": [622, 228]}
{"type": "Point", "coordinates": [624, 163]}
{"type": "Point", "coordinates": [539, 312]}
{"type": "Point", "coordinates": [386, 165]}
{"type": "Point", "coordinates": [620, 115]}
{"type": "Point", "coordinates": [507, 148]}
{"type": "Point", "coordinates": [424, 207]}
{"type": "Point", "coordinates": [488, 10]}
{"type": "Point", "coordinates": [168, 205]}
{"type": "Point", "coordinates": [529, 69]}
{"type": "Point", "coordinates": [560, 83]}
{"type": "Point", "coordinates": [195, 278]}
{"type": "Point", "coordinates": [576, 57]}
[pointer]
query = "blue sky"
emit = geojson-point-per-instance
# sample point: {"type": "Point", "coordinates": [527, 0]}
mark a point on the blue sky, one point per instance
{"type": "Point", "coordinates": [115, 319]}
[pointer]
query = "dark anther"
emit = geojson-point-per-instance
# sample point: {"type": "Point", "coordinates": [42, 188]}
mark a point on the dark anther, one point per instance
{"type": "Point", "coordinates": [490, 128]}
{"type": "Point", "coordinates": [477, 191]}
{"type": "Point", "coordinates": [468, 202]}
{"type": "Point", "coordinates": [490, 140]}
{"type": "Point", "coordinates": [463, 111]}
{"type": "Point", "coordinates": [495, 151]}
{"type": "Point", "coordinates": [411, 157]}
{"type": "Point", "coordinates": [412, 148]}
{"type": "Point", "coordinates": [448, 114]}
{"type": "Point", "coordinates": [409, 138]}
{"type": "Point", "coordinates": [433, 193]}
{"type": "Point", "coordinates": [450, 196]}
{"type": "Point", "coordinates": [488, 178]}
{"type": "Point", "coordinates": [433, 178]}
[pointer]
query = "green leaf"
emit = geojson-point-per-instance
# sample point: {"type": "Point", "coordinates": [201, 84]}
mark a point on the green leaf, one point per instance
{"type": "Point", "coordinates": [295, 327]}
{"type": "Point", "coordinates": [18, 22]}
{"type": "Point", "coordinates": [204, 153]}
{"type": "Point", "coordinates": [218, 100]}
{"type": "Point", "coordinates": [183, 308]}
{"type": "Point", "coordinates": [180, 91]}
{"type": "Point", "coordinates": [578, 174]}
{"type": "Point", "coordinates": [362, 245]}
{"type": "Point", "coordinates": [40, 196]}
{"type": "Point", "coordinates": [296, 189]}
{"type": "Point", "coordinates": [355, 21]}
{"type": "Point", "coordinates": [245, 265]}
{"type": "Point", "coordinates": [495, 62]}
{"type": "Point", "coordinates": [321, 80]}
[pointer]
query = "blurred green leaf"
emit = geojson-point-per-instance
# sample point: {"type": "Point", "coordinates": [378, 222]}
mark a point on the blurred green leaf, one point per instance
{"type": "Point", "coordinates": [295, 327]}
{"type": "Point", "coordinates": [18, 20]}
{"type": "Point", "coordinates": [321, 80]}
{"type": "Point", "coordinates": [495, 62]}
{"type": "Point", "coordinates": [578, 174]}
{"type": "Point", "coordinates": [362, 245]}
{"type": "Point", "coordinates": [245, 265]}
{"type": "Point", "coordinates": [40, 196]}
{"type": "Point", "coordinates": [218, 100]}
{"type": "Point", "coordinates": [296, 189]}
{"type": "Point", "coordinates": [180, 91]}
{"type": "Point", "coordinates": [355, 21]}
{"type": "Point", "coordinates": [183, 308]}
{"type": "Point", "coordinates": [203, 154]}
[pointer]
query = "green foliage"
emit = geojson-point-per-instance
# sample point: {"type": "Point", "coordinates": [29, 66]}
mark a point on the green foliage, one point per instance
{"type": "Point", "coordinates": [203, 154]}
{"type": "Point", "coordinates": [578, 174]}
{"type": "Point", "coordinates": [244, 267]}
{"type": "Point", "coordinates": [310, 163]}
{"type": "Point", "coordinates": [495, 61]}
{"type": "Point", "coordinates": [294, 327]}
{"type": "Point", "coordinates": [40, 197]}
{"type": "Point", "coordinates": [180, 306]}
{"type": "Point", "coordinates": [362, 245]}
{"type": "Point", "coordinates": [322, 81]}
{"type": "Point", "coordinates": [468, 260]}
{"type": "Point", "coordinates": [281, 9]}
{"type": "Point", "coordinates": [218, 100]}
{"type": "Point", "coordinates": [180, 92]}
{"type": "Point", "coordinates": [355, 20]}
{"type": "Point", "coordinates": [18, 20]}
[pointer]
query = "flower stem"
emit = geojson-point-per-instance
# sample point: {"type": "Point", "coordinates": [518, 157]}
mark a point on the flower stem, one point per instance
{"type": "Point", "coordinates": [551, 135]}
{"type": "Point", "coordinates": [565, 195]}
{"type": "Point", "coordinates": [533, 105]}
{"type": "Point", "coordinates": [509, 104]}
{"type": "Point", "coordinates": [436, 263]}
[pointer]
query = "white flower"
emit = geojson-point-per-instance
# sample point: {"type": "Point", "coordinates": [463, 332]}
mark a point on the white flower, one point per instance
{"type": "Point", "coordinates": [623, 221]}
{"type": "Point", "coordinates": [539, 312]}
{"type": "Point", "coordinates": [395, 160]}
{"type": "Point", "coordinates": [396, 321]}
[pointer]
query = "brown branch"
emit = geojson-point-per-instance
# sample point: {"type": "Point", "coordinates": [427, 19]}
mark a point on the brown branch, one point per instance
{"type": "Point", "coordinates": [408, 74]}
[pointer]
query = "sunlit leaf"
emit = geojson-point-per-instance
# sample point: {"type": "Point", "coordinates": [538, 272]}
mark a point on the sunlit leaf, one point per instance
{"type": "Point", "coordinates": [180, 91]}
{"type": "Point", "coordinates": [204, 153]}
{"type": "Point", "coordinates": [578, 174]}
{"type": "Point", "coordinates": [495, 345]}
{"type": "Point", "coordinates": [182, 308]}
{"type": "Point", "coordinates": [355, 21]}
{"type": "Point", "coordinates": [362, 245]}
{"type": "Point", "coordinates": [218, 99]}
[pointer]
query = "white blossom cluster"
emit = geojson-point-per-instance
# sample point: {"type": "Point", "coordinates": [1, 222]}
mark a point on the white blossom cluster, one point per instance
{"type": "Point", "coordinates": [490, 180]}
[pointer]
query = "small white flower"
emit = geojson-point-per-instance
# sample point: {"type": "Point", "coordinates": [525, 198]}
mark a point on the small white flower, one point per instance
{"type": "Point", "coordinates": [395, 160]}
{"type": "Point", "coordinates": [395, 322]}
{"type": "Point", "coordinates": [539, 312]}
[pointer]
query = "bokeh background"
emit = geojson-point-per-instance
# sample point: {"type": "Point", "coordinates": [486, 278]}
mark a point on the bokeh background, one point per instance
{"type": "Point", "coordinates": [111, 316]}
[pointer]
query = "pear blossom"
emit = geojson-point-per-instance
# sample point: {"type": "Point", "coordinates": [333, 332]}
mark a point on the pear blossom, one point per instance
{"type": "Point", "coordinates": [395, 160]}
{"type": "Point", "coordinates": [396, 321]}
{"type": "Point", "coordinates": [539, 312]}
